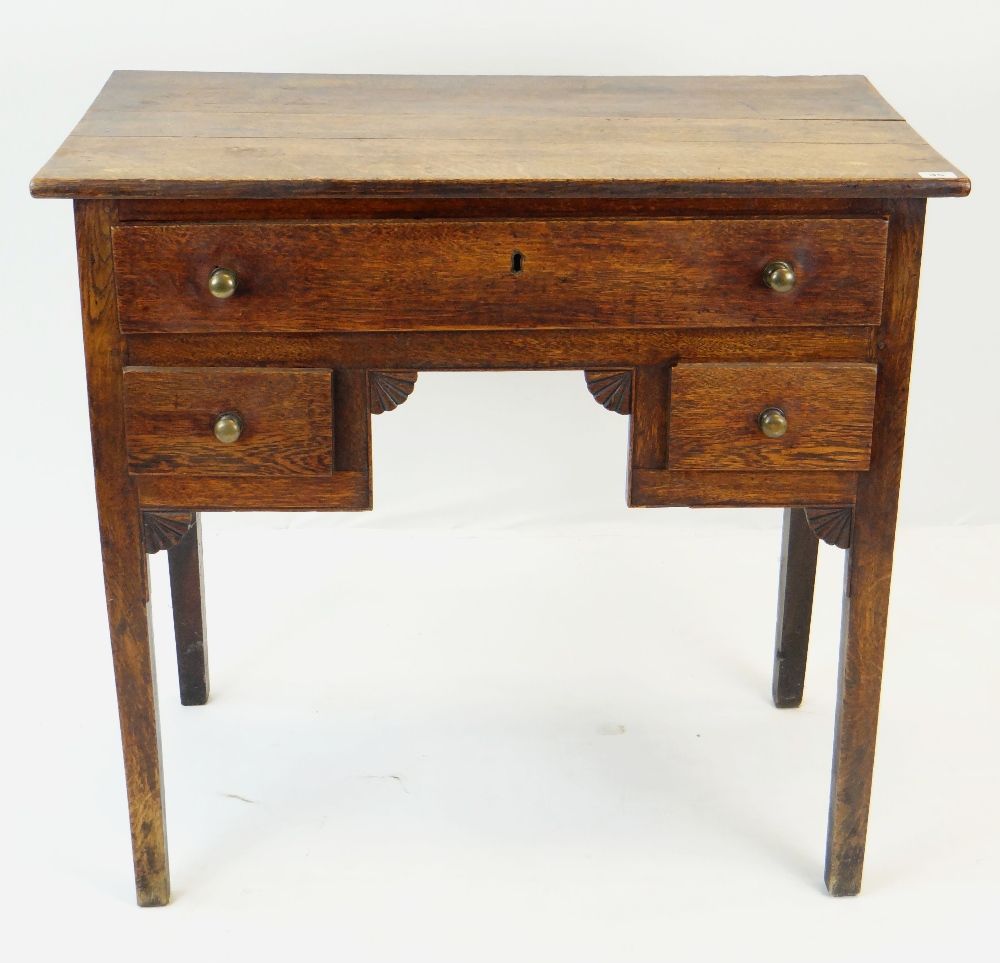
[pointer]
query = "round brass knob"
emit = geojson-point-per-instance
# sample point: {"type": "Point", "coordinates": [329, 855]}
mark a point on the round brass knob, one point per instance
{"type": "Point", "coordinates": [228, 427]}
{"type": "Point", "coordinates": [222, 283]}
{"type": "Point", "coordinates": [773, 422]}
{"type": "Point", "coordinates": [779, 276]}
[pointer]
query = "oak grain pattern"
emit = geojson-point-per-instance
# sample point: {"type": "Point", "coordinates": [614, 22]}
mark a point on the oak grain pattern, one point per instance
{"type": "Point", "coordinates": [429, 274]}
{"type": "Point", "coordinates": [465, 208]}
{"type": "Point", "coordinates": [504, 129]}
{"type": "Point", "coordinates": [153, 134]}
{"type": "Point", "coordinates": [352, 421]}
{"type": "Point", "coordinates": [664, 488]}
{"type": "Point", "coordinates": [311, 167]}
{"type": "Point", "coordinates": [650, 412]}
{"type": "Point", "coordinates": [515, 349]}
{"type": "Point", "coordinates": [868, 565]}
{"type": "Point", "coordinates": [803, 97]}
{"type": "Point", "coordinates": [287, 421]}
{"type": "Point", "coordinates": [343, 491]}
{"type": "Point", "coordinates": [714, 411]}
{"type": "Point", "coordinates": [125, 566]}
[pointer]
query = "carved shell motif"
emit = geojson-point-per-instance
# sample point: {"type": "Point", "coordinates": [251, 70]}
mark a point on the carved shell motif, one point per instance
{"type": "Point", "coordinates": [389, 389]}
{"type": "Point", "coordinates": [162, 530]}
{"type": "Point", "coordinates": [833, 525]}
{"type": "Point", "coordinates": [613, 389]}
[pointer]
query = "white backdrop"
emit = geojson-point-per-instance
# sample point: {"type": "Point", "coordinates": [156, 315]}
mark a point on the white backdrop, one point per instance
{"type": "Point", "coordinates": [529, 467]}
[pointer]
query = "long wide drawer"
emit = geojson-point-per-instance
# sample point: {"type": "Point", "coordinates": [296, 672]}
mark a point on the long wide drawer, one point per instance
{"type": "Point", "coordinates": [771, 416]}
{"type": "Point", "coordinates": [229, 421]}
{"type": "Point", "coordinates": [437, 274]}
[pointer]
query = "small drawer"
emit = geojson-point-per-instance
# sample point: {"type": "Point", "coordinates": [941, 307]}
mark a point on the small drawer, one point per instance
{"type": "Point", "coordinates": [276, 422]}
{"type": "Point", "coordinates": [826, 412]}
{"type": "Point", "coordinates": [388, 275]}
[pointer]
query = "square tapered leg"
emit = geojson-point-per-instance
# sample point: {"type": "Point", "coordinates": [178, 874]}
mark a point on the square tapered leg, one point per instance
{"type": "Point", "coordinates": [868, 569]}
{"type": "Point", "coordinates": [799, 549]}
{"type": "Point", "coordinates": [126, 575]}
{"type": "Point", "coordinates": [188, 597]}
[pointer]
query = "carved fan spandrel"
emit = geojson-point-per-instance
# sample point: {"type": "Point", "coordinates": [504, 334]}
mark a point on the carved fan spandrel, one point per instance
{"type": "Point", "coordinates": [389, 389]}
{"type": "Point", "coordinates": [833, 525]}
{"type": "Point", "coordinates": [163, 530]}
{"type": "Point", "coordinates": [612, 389]}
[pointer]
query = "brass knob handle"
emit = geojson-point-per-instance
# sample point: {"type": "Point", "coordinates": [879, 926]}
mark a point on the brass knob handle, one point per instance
{"type": "Point", "coordinates": [228, 427]}
{"type": "Point", "coordinates": [779, 276]}
{"type": "Point", "coordinates": [222, 283]}
{"type": "Point", "coordinates": [773, 422]}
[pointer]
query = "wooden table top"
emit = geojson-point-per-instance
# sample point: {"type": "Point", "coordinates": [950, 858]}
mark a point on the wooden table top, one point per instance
{"type": "Point", "coordinates": [230, 135]}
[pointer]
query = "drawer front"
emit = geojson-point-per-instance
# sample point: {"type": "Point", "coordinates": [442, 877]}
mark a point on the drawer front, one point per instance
{"type": "Point", "coordinates": [715, 412]}
{"type": "Point", "coordinates": [439, 274]}
{"type": "Point", "coordinates": [286, 421]}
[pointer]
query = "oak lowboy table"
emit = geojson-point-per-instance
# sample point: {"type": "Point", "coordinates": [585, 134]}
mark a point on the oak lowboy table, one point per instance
{"type": "Point", "coordinates": [267, 260]}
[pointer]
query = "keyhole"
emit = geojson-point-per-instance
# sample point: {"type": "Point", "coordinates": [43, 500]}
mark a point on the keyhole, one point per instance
{"type": "Point", "coordinates": [516, 262]}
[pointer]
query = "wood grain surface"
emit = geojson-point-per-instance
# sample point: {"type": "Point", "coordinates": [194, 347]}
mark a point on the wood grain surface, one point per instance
{"type": "Point", "coordinates": [341, 491]}
{"type": "Point", "coordinates": [650, 411]}
{"type": "Point", "coordinates": [155, 134]}
{"type": "Point", "coordinates": [173, 210]}
{"type": "Point", "coordinates": [651, 487]}
{"type": "Point", "coordinates": [403, 274]}
{"type": "Point", "coordinates": [714, 411]}
{"type": "Point", "coordinates": [868, 568]}
{"type": "Point", "coordinates": [477, 97]}
{"type": "Point", "coordinates": [352, 448]}
{"type": "Point", "coordinates": [126, 575]}
{"type": "Point", "coordinates": [515, 350]}
{"type": "Point", "coordinates": [287, 421]}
